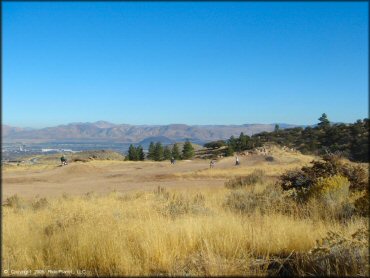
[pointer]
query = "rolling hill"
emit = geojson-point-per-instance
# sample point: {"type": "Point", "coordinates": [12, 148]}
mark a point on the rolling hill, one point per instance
{"type": "Point", "coordinates": [105, 131]}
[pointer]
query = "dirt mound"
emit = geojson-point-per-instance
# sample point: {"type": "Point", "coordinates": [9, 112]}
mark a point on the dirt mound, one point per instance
{"type": "Point", "coordinates": [77, 169]}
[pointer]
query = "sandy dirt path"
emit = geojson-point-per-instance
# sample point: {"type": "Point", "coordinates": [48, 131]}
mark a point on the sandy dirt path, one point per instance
{"type": "Point", "coordinates": [104, 176]}
{"type": "Point", "coordinates": [101, 177]}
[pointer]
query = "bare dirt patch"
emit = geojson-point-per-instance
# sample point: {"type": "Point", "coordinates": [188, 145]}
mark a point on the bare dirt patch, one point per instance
{"type": "Point", "coordinates": [102, 176]}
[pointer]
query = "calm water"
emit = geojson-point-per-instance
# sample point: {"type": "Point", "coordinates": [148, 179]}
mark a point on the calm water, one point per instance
{"type": "Point", "coordinates": [16, 150]}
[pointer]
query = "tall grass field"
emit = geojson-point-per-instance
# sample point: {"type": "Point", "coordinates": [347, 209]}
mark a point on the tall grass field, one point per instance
{"type": "Point", "coordinates": [254, 229]}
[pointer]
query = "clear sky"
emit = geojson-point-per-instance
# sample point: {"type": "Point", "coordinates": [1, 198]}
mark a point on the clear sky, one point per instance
{"type": "Point", "coordinates": [192, 63]}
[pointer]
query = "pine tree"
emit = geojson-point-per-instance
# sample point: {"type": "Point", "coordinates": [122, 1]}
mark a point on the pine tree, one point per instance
{"type": "Point", "coordinates": [359, 145]}
{"type": "Point", "coordinates": [175, 152]}
{"type": "Point", "coordinates": [230, 151]}
{"type": "Point", "coordinates": [151, 151]}
{"type": "Point", "coordinates": [158, 152]}
{"type": "Point", "coordinates": [215, 144]}
{"type": "Point", "coordinates": [243, 141]}
{"type": "Point", "coordinates": [140, 153]}
{"type": "Point", "coordinates": [132, 155]}
{"type": "Point", "coordinates": [324, 122]}
{"type": "Point", "coordinates": [277, 128]}
{"type": "Point", "coordinates": [188, 150]}
{"type": "Point", "coordinates": [232, 142]}
{"type": "Point", "coordinates": [347, 140]}
{"type": "Point", "coordinates": [167, 153]}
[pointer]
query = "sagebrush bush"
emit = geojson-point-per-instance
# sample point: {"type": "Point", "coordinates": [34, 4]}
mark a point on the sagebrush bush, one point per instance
{"type": "Point", "coordinates": [331, 189]}
{"type": "Point", "coordinates": [362, 205]}
{"type": "Point", "coordinates": [297, 183]}
{"type": "Point", "coordinates": [242, 201]}
{"type": "Point", "coordinates": [161, 192]}
{"type": "Point", "coordinates": [357, 176]}
{"type": "Point", "coordinates": [333, 255]}
{"type": "Point", "coordinates": [339, 255]}
{"type": "Point", "coordinates": [270, 158]}
{"type": "Point", "coordinates": [16, 202]}
{"type": "Point", "coordinates": [40, 203]}
{"type": "Point", "coordinates": [327, 198]}
{"type": "Point", "coordinates": [303, 180]}
{"type": "Point", "coordinates": [257, 176]}
{"type": "Point", "coordinates": [178, 204]}
{"type": "Point", "coordinates": [248, 201]}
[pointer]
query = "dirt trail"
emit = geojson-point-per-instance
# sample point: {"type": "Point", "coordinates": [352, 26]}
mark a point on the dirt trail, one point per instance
{"type": "Point", "coordinates": [98, 176]}
{"type": "Point", "coordinates": [106, 176]}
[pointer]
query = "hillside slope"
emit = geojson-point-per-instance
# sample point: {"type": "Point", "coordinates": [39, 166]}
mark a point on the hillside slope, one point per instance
{"type": "Point", "coordinates": [105, 131]}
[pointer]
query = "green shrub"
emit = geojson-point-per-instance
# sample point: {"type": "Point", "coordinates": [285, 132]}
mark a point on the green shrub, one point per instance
{"type": "Point", "coordinates": [357, 176]}
{"type": "Point", "coordinates": [295, 179]}
{"type": "Point", "coordinates": [301, 181]}
{"type": "Point", "coordinates": [297, 183]}
{"type": "Point", "coordinates": [327, 198]}
{"type": "Point", "coordinates": [215, 144]}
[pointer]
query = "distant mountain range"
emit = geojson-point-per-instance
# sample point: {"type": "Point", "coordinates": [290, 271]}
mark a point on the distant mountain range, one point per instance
{"type": "Point", "coordinates": [105, 131]}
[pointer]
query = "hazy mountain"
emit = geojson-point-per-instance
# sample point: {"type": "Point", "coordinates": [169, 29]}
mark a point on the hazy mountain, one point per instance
{"type": "Point", "coordinates": [105, 131]}
{"type": "Point", "coordinates": [8, 130]}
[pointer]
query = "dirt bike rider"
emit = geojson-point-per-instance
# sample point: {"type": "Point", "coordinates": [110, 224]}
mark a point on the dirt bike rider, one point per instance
{"type": "Point", "coordinates": [237, 162]}
{"type": "Point", "coordinates": [63, 160]}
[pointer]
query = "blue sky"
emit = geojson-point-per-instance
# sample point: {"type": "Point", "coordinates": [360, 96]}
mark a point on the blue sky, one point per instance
{"type": "Point", "coordinates": [192, 63]}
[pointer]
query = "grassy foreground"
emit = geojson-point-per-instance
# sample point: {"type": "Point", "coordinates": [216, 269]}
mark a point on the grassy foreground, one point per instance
{"type": "Point", "coordinates": [251, 231]}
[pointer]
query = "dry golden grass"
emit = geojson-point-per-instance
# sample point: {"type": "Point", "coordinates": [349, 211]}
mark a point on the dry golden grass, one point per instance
{"type": "Point", "coordinates": [221, 173]}
{"type": "Point", "coordinates": [283, 161]}
{"type": "Point", "coordinates": [208, 230]}
{"type": "Point", "coordinates": [270, 169]}
{"type": "Point", "coordinates": [25, 167]}
{"type": "Point", "coordinates": [183, 232]}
